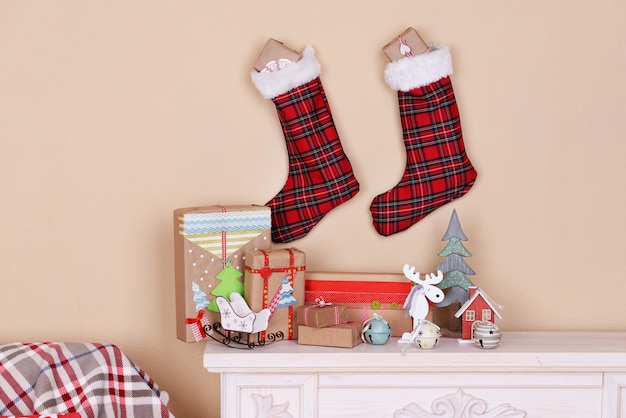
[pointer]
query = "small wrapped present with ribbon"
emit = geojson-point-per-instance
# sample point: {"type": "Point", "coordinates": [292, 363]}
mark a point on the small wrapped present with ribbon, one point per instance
{"type": "Point", "coordinates": [345, 335]}
{"type": "Point", "coordinates": [409, 43]}
{"type": "Point", "coordinates": [197, 325]}
{"type": "Point", "coordinates": [274, 279]}
{"type": "Point", "coordinates": [275, 56]}
{"type": "Point", "coordinates": [321, 314]}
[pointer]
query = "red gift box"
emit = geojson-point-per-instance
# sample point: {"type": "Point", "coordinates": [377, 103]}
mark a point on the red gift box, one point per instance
{"type": "Point", "coordinates": [364, 294]}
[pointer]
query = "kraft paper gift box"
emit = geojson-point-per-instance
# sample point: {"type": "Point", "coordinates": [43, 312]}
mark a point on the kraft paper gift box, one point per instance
{"type": "Point", "coordinates": [321, 316]}
{"type": "Point", "coordinates": [274, 279]}
{"type": "Point", "coordinates": [274, 56]}
{"type": "Point", "coordinates": [408, 43]}
{"type": "Point", "coordinates": [343, 335]}
{"type": "Point", "coordinates": [364, 294]}
{"type": "Point", "coordinates": [211, 241]}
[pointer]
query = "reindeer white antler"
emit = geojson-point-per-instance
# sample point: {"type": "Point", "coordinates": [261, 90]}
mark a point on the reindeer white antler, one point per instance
{"type": "Point", "coordinates": [432, 279]}
{"type": "Point", "coordinates": [414, 276]}
{"type": "Point", "coordinates": [411, 274]}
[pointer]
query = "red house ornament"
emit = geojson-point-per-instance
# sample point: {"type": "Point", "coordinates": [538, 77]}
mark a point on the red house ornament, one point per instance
{"type": "Point", "coordinates": [479, 307]}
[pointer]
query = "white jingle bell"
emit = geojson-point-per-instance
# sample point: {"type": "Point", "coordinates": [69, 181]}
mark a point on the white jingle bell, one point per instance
{"type": "Point", "coordinates": [486, 334]}
{"type": "Point", "coordinates": [426, 334]}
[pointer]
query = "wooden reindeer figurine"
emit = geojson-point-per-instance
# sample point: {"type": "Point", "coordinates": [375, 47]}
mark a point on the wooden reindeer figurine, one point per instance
{"type": "Point", "coordinates": [416, 305]}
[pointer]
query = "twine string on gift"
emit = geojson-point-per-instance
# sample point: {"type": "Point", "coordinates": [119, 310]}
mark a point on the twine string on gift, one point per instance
{"type": "Point", "coordinates": [336, 314]}
{"type": "Point", "coordinates": [224, 255]}
{"type": "Point", "coordinates": [266, 271]}
{"type": "Point", "coordinates": [306, 315]}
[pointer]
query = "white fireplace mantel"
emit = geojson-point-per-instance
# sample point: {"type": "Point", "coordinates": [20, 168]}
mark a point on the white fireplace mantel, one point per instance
{"type": "Point", "coordinates": [533, 374]}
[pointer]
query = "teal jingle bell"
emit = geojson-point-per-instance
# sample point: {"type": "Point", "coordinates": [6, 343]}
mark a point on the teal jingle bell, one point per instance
{"type": "Point", "coordinates": [376, 330]}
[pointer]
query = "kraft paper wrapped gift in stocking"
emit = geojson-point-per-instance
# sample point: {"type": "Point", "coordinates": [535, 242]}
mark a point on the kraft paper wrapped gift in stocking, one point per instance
{"type": "Point", "coordinates": [320, 174]}
{"type": "Point", "coordinates": [437, 168]}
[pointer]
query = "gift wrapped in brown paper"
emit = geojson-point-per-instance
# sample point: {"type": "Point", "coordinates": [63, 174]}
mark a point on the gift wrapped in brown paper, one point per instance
{"type": "Point", "coordinates": [210, 243]}
{"type": "Point", "coordinates": [321, 316]}
{"type": "Point", "coordinates": [274, 56]}
{"type": "Point", "coordinates": [364, 294]}
{"type": "Point", "coordinates": [274, 279]}
{"type": "Point", "coordinates": [407, 44]}
{"type": "Point", "coordinates": [343, 335]}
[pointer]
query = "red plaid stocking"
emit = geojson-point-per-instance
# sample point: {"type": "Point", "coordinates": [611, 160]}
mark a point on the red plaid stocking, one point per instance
{"type": "Point", "coordinates": [320, 174]}
{"type": "Point", "coordinates": [437, 169]}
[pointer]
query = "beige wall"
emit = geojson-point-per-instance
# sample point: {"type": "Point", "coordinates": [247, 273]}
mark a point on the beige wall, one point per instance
{"type": "Point", "coordinates": [113, 113]}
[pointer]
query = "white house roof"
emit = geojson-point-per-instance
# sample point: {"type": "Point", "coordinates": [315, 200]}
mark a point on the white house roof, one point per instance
{"type": "Point", "coordinates": [479, 293]}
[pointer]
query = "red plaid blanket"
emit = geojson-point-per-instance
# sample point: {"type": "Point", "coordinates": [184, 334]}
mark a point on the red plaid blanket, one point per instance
{"type": "Point", "coordinates": [95, 380]}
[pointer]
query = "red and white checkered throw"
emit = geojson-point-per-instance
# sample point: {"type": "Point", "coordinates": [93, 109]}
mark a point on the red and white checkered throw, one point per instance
{"type": "Point", "coordinates": [94, 380]}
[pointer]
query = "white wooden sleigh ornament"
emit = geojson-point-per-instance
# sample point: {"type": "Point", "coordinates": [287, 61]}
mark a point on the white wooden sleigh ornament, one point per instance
{"type": "Point", "coordinates": [236, 315]}
{"type": "Point", "coordinates": [241, 327]}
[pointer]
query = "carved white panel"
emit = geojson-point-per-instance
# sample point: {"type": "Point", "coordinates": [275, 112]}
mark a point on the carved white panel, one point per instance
{"type": "Point", "coordinates": [265, 395]}
{"type": "Point", "coordinates": [266, 408]}
{"type": "Point", "coordinates": [459, 405]}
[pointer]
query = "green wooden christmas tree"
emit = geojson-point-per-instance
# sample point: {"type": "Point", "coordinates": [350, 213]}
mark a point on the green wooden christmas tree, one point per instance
{"type": "Point", "coordinates": [229, 283]}
{"type": "Point", "coordinates": [454, 267]}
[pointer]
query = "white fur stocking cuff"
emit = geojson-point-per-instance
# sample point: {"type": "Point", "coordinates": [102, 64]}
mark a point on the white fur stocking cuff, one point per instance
{"type": "Point", "coordinates": [419, 70]}
{"type": "Point", "coordinates": [272, 84]}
